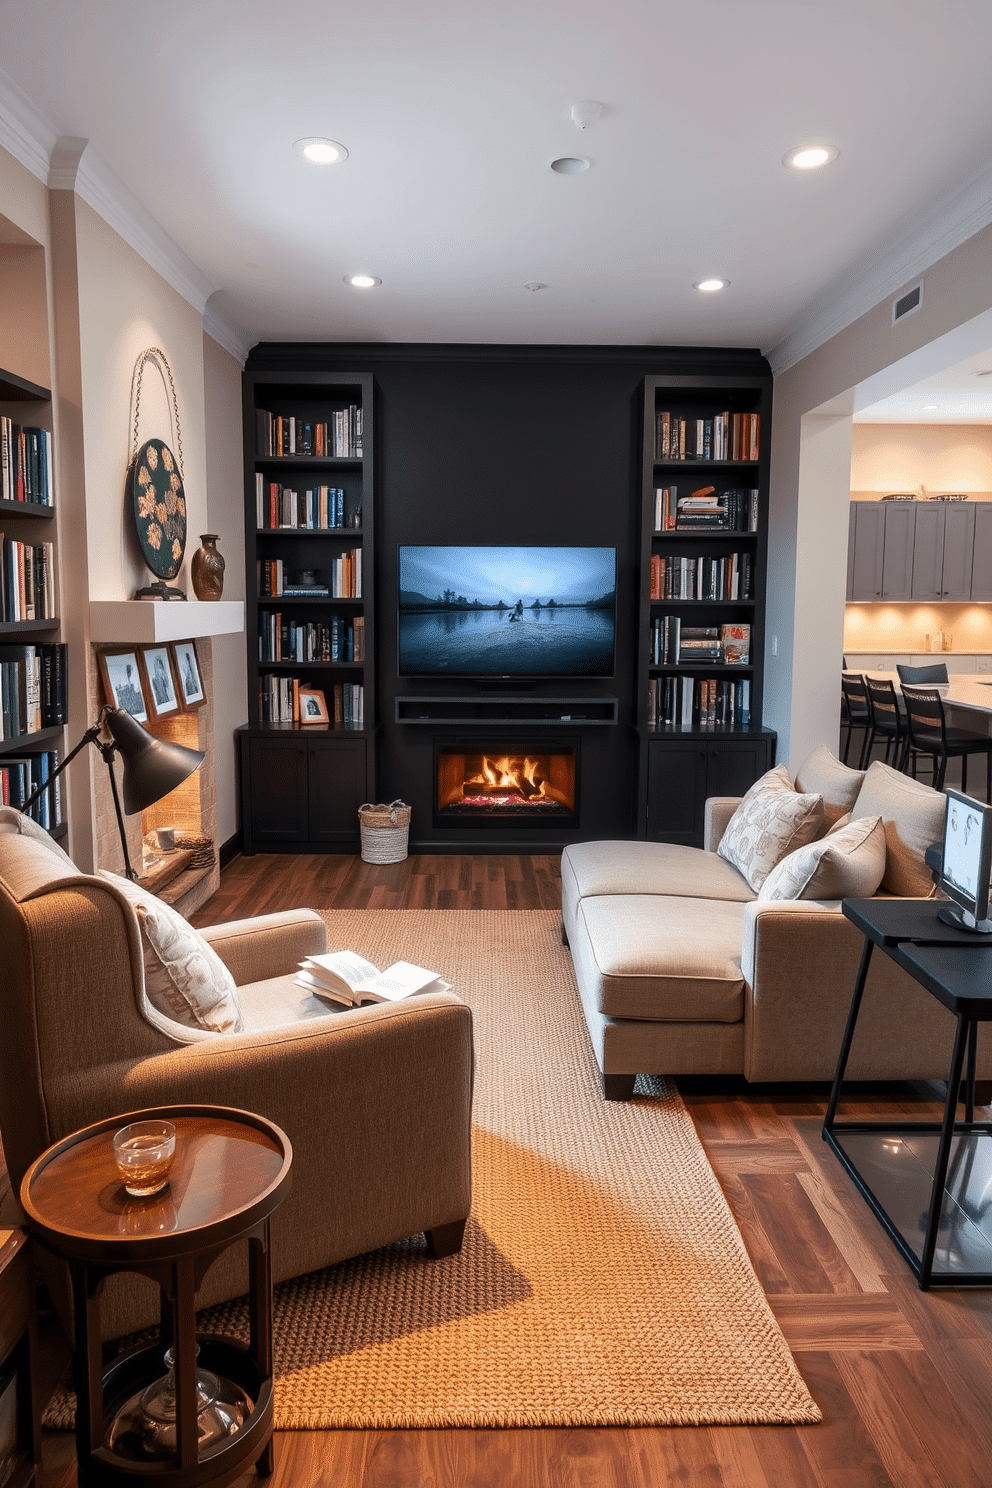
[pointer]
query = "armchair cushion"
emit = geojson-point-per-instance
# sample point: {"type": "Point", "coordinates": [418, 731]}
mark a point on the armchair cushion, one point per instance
{"type": "Point", "coordinates": [185, 979]}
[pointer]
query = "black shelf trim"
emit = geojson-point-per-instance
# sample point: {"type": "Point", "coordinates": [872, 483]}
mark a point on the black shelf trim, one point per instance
{"type": "Point", "coordinates": [676, 668]}
{"type": "Point", "coordinates": [25, 509]}
{"type": "Point", "coordinates": [308, 532]}
{"type": "Point", "coordinates": [312, 462]}
{"type": "Point", "coordinates": [14, 389]}
{"type": "Point", "coordinates": [313, 666]}
{"type": "Point", "coordinates": [26, 627]}
{"type": "Point", "coordinates": [23, 743]}
{"type": "Point", "coordinates": [704, 533]}
{"type": "Point", "coordinates": [299, 599]}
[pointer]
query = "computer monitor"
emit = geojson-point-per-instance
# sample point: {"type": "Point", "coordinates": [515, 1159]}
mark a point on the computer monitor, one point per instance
{"type": "Point", "coordinates": [966, 864]}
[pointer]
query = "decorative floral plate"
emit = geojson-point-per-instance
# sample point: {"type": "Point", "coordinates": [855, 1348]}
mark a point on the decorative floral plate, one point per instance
{"type": "Point", "coordinates": [159, 507]}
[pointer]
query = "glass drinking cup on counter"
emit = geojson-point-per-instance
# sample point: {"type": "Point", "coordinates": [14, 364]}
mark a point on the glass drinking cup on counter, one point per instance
{"type": "Point", "coordinates": [145, 1153]}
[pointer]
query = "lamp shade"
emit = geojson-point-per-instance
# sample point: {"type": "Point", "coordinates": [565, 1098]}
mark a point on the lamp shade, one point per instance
{"type": "Point", "coordinates": [152, 767]}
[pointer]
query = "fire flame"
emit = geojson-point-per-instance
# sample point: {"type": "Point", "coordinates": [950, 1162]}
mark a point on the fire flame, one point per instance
{"type": "Point", "coordinates": [506, 773]}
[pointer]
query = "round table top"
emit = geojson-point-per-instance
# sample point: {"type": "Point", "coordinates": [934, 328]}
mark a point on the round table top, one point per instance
{"type": "Point", "coordinates": [232, 1169]}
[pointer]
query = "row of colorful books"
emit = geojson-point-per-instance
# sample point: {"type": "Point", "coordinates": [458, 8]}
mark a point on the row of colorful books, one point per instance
{"type": "Point", "coordinates": [27, 580]}
{"type": "Point", "coordinates": [275, 579]}
{"type": "Point", "coordinates": [33, 693]}
{"type": "Point", "coordinates": [317, 509]}
{"type": "Point", "coordinates": [20, 777]}
{"type": "Point", "coordinates": [280, 435]}
{"type": "Point", "coordinates": [732, 510]}
{"type": "Point", "coordinates": [336, 639]}
{"type": "Point", "coordinates": [699, 702]}
{"type": "Point", "coordinates": [725, 436]}
{"type": "Point", "coordinates": [25, 463]}
{"type": "Point", "coordinates": [730, 577]}
{"type": "Point", "coordinates": [675, 644]}
{"type": "Point", "coordinates": [279, 701]}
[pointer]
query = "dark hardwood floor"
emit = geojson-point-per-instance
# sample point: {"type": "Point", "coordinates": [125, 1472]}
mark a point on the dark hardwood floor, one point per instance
{"type": "Point", "coordinates": [904, 1378]}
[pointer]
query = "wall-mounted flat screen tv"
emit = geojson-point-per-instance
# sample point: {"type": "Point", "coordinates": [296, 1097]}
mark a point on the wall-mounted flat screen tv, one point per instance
{"type": "Point", "coordinates": [507, 611]}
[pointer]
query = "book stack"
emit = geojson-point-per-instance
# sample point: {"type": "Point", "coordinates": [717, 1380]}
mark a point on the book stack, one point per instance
{"type": "Point", "coordinates": [282, 436]}
{"type": "Point", "coordinates": [317, 509]}
{"type": "Point", "coordinates": [336, 639]}
{"type": "Point", "coordinates": [742, 509]}
{"type": "Point", "coordinates": [724, 436]}
{"type": "Point", "coordinates": [699, 643]}
{"type": "Point", "coordinates": [702, 509]}
{"type": "Point", "coordinates": [27, 580]}
{"type": "Point", "coordinates": [25, 463]}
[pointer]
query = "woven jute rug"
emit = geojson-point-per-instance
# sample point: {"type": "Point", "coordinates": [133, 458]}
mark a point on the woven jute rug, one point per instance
{"type": "Point", "coordinates": [602, 1281]}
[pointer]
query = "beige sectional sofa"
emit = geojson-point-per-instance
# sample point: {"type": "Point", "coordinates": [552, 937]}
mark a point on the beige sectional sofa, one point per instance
{"type": "Point", "coordinates": [684, 967]}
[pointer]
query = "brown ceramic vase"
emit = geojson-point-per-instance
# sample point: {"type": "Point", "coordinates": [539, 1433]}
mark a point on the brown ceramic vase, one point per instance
{"type": "Point", "coordinates": [207, 568]}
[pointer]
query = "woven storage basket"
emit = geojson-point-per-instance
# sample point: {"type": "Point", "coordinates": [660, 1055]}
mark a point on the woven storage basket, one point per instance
{"type": "Point", "coordinates": [385, 832]}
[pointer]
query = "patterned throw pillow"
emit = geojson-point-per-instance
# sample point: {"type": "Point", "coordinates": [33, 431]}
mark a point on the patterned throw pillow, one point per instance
{"type": "Point", "coordinates": [768, 824]}
{"type": "Point", "coordinates": [846, 864]}
{"type": "Point", "coordinates": [185, 979]}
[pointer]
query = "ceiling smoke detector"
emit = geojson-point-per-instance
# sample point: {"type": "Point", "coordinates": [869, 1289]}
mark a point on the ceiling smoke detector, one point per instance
{"type": "Point", "coordinates": [570, 165]}
{"type": "Point", "coordinates": [586, 112]}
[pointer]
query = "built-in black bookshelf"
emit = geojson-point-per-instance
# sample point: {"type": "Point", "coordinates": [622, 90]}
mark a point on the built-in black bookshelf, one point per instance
{"type": "Point", "coordinates": [309, 546]}
{"type": "Point", "coordinates": [32, 658]}
{"type": "Point", "coordinates": [701, 606]}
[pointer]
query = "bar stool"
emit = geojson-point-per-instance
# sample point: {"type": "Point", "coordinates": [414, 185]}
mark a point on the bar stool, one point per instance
{"type": "Point", "coordinates": [935, 672]}
{"type": "Point", "coordinates": [886, 718]}
{"type": "Point", "coordinates": [927, 733]}
{"type": "Point", "coordinates": [854, 698]}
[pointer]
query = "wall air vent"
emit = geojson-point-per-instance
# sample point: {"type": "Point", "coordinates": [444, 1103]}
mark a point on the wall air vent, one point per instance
{"type": "Point", "coordinates": [908, 303]}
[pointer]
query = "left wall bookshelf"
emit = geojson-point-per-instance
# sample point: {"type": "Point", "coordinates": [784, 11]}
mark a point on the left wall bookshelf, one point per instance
{"type": "Point", "coordinates": [32, 653]}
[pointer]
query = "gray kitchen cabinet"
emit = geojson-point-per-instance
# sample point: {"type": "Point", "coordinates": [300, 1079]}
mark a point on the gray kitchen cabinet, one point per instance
{"type": "Point", "coordinates": [882, 566]}
{"type": "Point", "coordinates": [942, 558]}
{"type": "Point", "coordinates": [981, 568]}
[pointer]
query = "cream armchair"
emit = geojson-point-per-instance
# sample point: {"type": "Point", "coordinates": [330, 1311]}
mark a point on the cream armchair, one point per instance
{"type": "Point", "coordinates": [376, 1101]}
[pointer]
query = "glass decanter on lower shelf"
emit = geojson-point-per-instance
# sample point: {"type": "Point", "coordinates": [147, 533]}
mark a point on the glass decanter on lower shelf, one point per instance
{"type": "Point", "coordinates": [146, 1425]}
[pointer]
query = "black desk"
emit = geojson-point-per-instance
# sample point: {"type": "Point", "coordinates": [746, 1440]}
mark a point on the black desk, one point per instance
{"type": "Point", "coordinates": [928, 1183]}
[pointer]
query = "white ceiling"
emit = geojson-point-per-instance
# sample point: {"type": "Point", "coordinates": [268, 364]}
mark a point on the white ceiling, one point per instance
{"type": "Point", "coordinates": [452, 110]}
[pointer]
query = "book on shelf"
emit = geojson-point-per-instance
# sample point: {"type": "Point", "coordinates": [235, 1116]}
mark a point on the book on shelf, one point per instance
{"type": "Point", "coordinates": [349, 980]}
{"type": "Point", "coordinates": [20, 691]}
{"type": "Point", "coordinates": [735, 642]}
{"type": "Point", "coordinates": [703, 577]}
{"type": "Point", "coordinates": [25, 463]}
{"type": "Point", "coordinates": [282, 435]}
{"type": "Point", "coordinates": [20, 777]}
{"type": "Point", "coordinates": [27, 580]}
{"type": "Point", "coordinates": [279, 701]}
{"type": "Point", "coordinates": [281, 638]}
{"type": "Point", "coordinates": [724, 436]}
{"type": "Point", "coordinates": [689, 702]}
{"type": "Point", "coordinates": [281, 508]}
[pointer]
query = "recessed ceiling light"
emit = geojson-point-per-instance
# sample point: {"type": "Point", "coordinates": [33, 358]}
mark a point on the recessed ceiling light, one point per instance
{"type": "Point", "coordinates": [810, 157]}
{"type": "Point", "coordinates": [321, 151]}
{"type": "Point", "coordinates": [362, 281]}
{"type": "Point", "coordinates": [570, 165]}
{"type": "Point", "coordinates": [929, 407]}
{"type": "Point", "coordinates": [710, 286]}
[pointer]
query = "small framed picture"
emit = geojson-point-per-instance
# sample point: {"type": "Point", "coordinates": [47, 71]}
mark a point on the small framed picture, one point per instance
{"type": "Point", "coordinates": [188, 674]}
{"type": "Point", "coordinates": [122, 682]}
{"type": "Point", "coordinates": [160, 682]}
{"type": "Point", "coordinates": [313, 707]}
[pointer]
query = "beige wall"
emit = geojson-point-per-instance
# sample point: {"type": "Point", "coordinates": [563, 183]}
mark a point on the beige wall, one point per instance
{"type": "Point", "coordinates": [809, 505]}
{"type": "Point", "coordinates": [889, 458]}
{"type": "Point", "coordinates": [225, 506]}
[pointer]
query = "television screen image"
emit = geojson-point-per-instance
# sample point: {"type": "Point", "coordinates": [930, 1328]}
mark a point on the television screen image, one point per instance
{"type": "Point", "coordinates": [507, 611]}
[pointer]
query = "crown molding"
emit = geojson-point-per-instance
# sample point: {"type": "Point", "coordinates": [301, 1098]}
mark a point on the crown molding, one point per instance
{"type": "Point", "coordinates": [24, 133]}
{"type": "Point", "coordinates": [960, 215]}
{"type": "Point", "coordinates": [225, 335]}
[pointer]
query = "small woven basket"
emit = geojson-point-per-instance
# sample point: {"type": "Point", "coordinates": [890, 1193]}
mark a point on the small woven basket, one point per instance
{"type": "Point", "coordinates": [385, 832]}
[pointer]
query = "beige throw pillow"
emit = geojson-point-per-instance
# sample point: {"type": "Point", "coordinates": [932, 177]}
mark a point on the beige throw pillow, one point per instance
{"type": "Point", "coordinates": [914, 818]}
{"type": "Point", "coordinates": [821, 773]}
{"type": "Point", "coordinates": [767, 825]}
{"type": "Point", "coordinates": [185, 979]}
{"type": "Point", "coordinates": [848, 864]}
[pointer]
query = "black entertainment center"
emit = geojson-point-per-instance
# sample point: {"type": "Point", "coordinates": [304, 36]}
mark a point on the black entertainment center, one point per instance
{"type": "Point", "coordinates": [520, 468]}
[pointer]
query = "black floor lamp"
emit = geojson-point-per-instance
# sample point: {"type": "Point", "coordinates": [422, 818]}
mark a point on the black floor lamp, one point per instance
{"type": "Point", "coordinates": [152, 767]}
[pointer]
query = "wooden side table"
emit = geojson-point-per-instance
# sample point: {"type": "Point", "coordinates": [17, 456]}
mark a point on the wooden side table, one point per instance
{"type": "Point", "coordinates": [17, 1342]}
{"type": "Point", "coordinates": [232, 1170]}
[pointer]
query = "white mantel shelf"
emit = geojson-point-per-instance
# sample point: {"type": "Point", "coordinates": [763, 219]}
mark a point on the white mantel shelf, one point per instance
{"type": "Point", "coordinates": [149, 620]}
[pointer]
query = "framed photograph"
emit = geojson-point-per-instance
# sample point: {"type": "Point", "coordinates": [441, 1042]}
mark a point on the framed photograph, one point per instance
{"type": "Point", "coordinates": [188, 674]}
{"type": "Point", "coordinates": [160, 682]}
{"type": "Point", "coordinates": [313, 707]}
{"type": "Point", "coordinates": [122, 685]}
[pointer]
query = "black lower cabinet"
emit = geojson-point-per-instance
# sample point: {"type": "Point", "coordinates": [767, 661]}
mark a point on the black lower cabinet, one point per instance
{"type": "Point", "coordinates": [684, 769]}
{"type": "Point", "coordinates": [301, 791]}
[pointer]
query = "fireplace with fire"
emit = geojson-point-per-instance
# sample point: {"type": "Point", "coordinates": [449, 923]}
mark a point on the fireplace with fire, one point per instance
{"type": "Point", "coordinates": [512, 783]}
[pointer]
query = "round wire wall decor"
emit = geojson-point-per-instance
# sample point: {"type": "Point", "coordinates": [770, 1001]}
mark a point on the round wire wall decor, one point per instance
{"type": "Point", "coordinates": [159, 499]}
